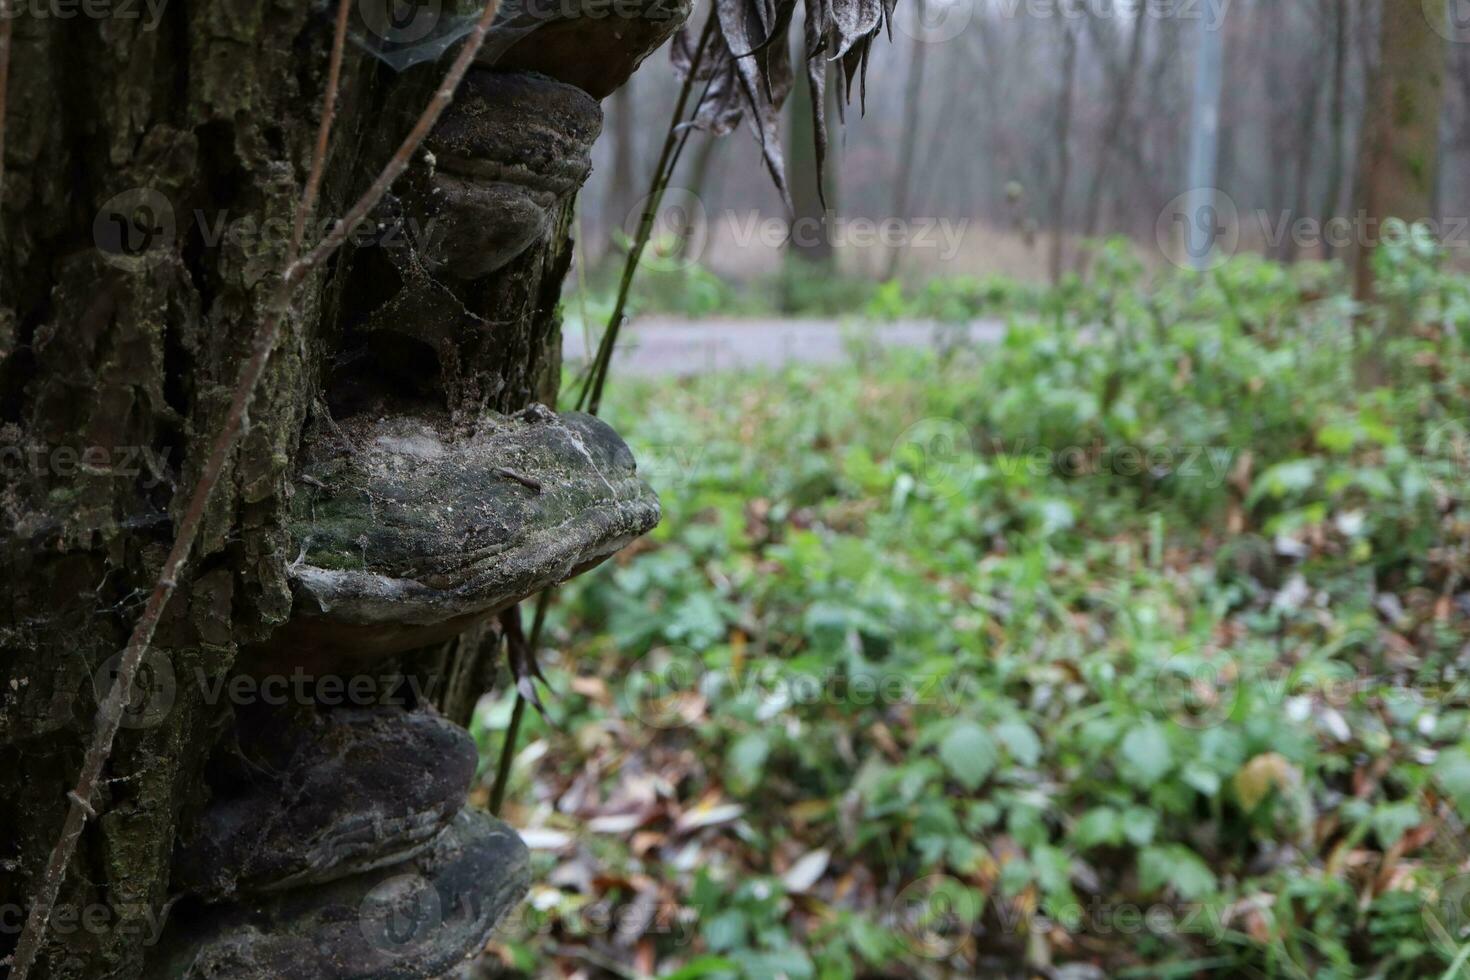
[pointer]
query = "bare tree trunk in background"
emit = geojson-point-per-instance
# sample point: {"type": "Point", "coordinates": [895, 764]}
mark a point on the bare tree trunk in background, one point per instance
{"type": "Point", "coordinates": [1309, 91]}
{"type": "Point", "coordinates": [1400, 142]}
{"type": "Point", "coordinates": [1339, 11]}
{"type": "Point", "coordinates": [623, 178]}
{"type": "Point", "coordinates": [1120, 104]}
{"type": "Point", "coordinates": [1280, 123]}
{"type": "Point", "coordinates": [1238, 46]}
{"type": "Point", "coordinates": [1201, 226]}
{"type": "Point", "coordinates": [810, 243]}
{"type": "Point", "coordinates": [908, 142]}
{"type": "Point", "coordinates": [1062, 138]}
{"type": "Point", "coordinates": [988, 63]}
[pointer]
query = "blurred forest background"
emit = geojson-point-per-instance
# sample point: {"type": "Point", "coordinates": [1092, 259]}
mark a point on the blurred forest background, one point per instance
{"type": "Point", "coordinates": [1126, 637]}
{"type": "Point", "coordinates": [1043, 124]}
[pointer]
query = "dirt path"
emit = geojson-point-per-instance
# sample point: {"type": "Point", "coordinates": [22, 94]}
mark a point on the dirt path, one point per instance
{"type": "Point", "coordinates": [652, 346]}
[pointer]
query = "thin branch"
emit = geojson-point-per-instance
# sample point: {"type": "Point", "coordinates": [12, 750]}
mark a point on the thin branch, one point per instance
{"type": "Point", "coordinates": [591, 396]}
{"type": "Point", "coordinates": [323, 133]}
{"type": "Point", "coordinates": [7, 24]}
{"type": "Point", "coordinates": [109, 714]}
{"type": "Point", "coordinates": [395, 167]}
{"type": "Point", "coordinates": [513, 730]}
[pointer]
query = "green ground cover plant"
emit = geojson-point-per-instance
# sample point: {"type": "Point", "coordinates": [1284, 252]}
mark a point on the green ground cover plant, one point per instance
{"type": "Point", "coordinates": [1135, 645]}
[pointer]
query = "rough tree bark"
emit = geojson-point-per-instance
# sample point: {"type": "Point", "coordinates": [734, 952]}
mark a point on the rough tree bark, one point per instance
{"type": "Point", "coordinates": [152, 168]}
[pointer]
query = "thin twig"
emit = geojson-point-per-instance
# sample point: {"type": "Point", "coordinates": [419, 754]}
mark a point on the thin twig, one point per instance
{"type": "Point", "coordinates": [6, 26]}
{"type": "Point", "coordinates": [323, 133]}
{"type": "Point", "coordinates": [591, 396]}
{"type": "Point", "coordinates": [404, 155]}
{"type": "Point", "coordinates": [513, 730]}
{"type": "Point", "coordinates": [507, 752]}
{"type": "Point", "coordinates": [109, 714]}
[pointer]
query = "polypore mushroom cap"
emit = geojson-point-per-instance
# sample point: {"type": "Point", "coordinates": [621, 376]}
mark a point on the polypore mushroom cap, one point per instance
{"type": "Point", "coordinates": [416, 919]}
{"type": "Point", "coordinates": [408, 531]}
{"type": "Point", "coordinates": [507, 153]}
{"type": "Point", "coordinates": [595, 45]}
{"type": "Point", "coordinates": [353, 789]}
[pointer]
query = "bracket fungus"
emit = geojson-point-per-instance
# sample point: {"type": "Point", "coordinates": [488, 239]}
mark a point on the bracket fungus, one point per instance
{"type": "Point", "coordinates": [418, 511]}
{"type": "Point", "coordinates": [408, 535]}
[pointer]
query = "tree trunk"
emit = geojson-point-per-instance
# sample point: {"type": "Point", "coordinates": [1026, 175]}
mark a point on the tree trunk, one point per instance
{"type": "Point", "coordinates": [1119, 107]}
{"type": "Point", "coordinates": [152, 170]}
{"type": "Point", "coordinates": [1400, 143]}
{"type": "Point", "coordinates": [1332, 197]}
{"type": "Point", "coordinates": [622, 186]}
{"type": "Point", "coordinates": [1063, 136]}
{"type": "Point", "coordinates": [810, 242]}
{"type": "Point", "coordinates": [1281, 132]}
{"type": "Point", "coordinates": [913, 107]}
{"type": "Point", "coordinates": [1309, 91]}
{"type": "Point", "coordinates": [1202, 228]}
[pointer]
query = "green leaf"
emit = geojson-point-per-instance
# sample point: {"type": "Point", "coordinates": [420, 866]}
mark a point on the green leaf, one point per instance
{"type": "Point", "coordinates": [1285, 479]}
{"type": "Point", "coordinates": [1020, 741]}
{"type": "Point", "coordinates": [746, 761]}
{"type": "Point", "coordinates": [1452, 773]}
{"type": "Point", "coordinates": [703, 966]}
{"type": "Point", "coordinates": [789, 962]}
{"type": "Point", "coordinates": [969, 753]}
{"type": "Point", "coordinates": [1178, 867]}
{"type": "Point", "coordinates": [1392, 821]}
{"type": "Point", "coordinates": [1202, 778]}
{"type": "Point", "coordinates": [1139, 825]}
{"type": "Point", "coordinates": [1146, 758]}
{"type": "Point", "coordinates": [726, 931]}
{"type": "Point", "coordinates": [1101, 825]}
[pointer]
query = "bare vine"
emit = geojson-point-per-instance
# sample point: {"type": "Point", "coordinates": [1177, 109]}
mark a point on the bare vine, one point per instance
{"type": "Point", "coordinates": [590, 396]}
{"type": "Point", "coordinates": [6, 27]}
{"type": "Point", "coordinates": [109, 714]}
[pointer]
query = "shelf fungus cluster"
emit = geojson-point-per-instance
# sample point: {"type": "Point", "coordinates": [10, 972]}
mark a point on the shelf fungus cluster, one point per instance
{"type": "Point", "coordinates": [335, 841]}
{"type": "Point", "coordinates": [338, 843]}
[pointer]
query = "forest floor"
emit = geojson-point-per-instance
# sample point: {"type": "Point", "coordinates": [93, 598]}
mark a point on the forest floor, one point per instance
{"type": "Point", "coordinates": [1134, 642]}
